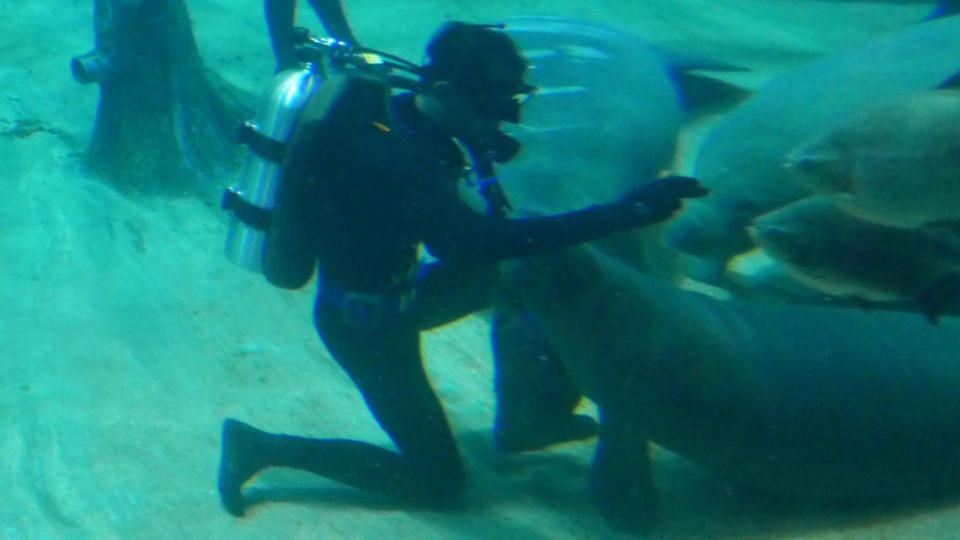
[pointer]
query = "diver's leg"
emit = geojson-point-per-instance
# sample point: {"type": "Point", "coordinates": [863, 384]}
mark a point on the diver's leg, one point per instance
{"type": "Point", "coordinates": [394, 384]}
{"type": "Point", "coordinates": [535, 395]}
{"type": "Point", "coordinates": [386, 366]}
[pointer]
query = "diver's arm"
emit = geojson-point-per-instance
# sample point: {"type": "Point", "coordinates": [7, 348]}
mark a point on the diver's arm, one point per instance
{"type": "Point", "coordinates": [334, 19]}
{"type": "Point", "coordinates": [459, 233]}
{"type": "Point", "coordinates": [281, 15]}
{"type": "Point", "coordinates": [290, 256]}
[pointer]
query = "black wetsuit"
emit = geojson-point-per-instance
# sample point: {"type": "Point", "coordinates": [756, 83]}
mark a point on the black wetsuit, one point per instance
{"type": "Point", "coordinates": [360, 199]}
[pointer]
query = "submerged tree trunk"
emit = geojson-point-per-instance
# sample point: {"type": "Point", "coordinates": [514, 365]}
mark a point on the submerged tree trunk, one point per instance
{"type": "Point", "coordinates": [164, 124]}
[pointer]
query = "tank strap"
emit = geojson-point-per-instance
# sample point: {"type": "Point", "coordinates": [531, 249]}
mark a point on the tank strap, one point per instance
{"type": "Point", "coordinates": [268, 148]}
{"type": "Point", "coordinates": [249, 214]}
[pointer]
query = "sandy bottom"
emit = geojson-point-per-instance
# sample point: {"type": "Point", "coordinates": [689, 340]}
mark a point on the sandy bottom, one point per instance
{"type": "Point", "coordinates": [126, 337]}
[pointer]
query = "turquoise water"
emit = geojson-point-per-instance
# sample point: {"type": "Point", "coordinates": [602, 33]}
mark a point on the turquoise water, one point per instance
{"type": "Point", "coordinates": [127, 335]}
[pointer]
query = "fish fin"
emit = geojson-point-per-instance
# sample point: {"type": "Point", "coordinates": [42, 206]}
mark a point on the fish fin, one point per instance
{"type": "Point", "coordinates": [931, 318]}
{"type": "Point", "coordinates": [944, 8]}
{"type": "Point", "coordinates": [943, 293]}
{"type": "Point", "coordinates": [950, 83]}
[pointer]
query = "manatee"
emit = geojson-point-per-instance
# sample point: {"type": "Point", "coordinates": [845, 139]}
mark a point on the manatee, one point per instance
{"type": "Point", "coordinates": [802, 401]}
{"type": "Point", "coordinates": [896, 162]}
{"type": "Point", "coordinates": [606, 117]}
{"type": "Point", "coordinates": [741, 158]}
{"type": "Point", "coordinates": [829, 250]}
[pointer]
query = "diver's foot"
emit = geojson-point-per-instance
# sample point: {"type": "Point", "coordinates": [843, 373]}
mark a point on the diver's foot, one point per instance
{"type": "Point", "coordinates": [541, 435]}
{"type": "Point", "coordinates": [238, 463]}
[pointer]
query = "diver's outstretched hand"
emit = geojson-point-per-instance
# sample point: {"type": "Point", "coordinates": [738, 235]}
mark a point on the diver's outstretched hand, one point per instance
{"type": "Point", "coordinates": [658, 200]}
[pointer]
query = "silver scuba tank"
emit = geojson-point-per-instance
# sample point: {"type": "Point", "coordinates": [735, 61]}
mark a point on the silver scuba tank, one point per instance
{"type": "Point", "coordinates": [266, 138]}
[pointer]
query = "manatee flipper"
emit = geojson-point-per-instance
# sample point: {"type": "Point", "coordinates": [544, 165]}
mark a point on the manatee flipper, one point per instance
{"type": "Point", "coordinates": [535, 395]}
{"type": "Point", "coordinates": [621, 481]}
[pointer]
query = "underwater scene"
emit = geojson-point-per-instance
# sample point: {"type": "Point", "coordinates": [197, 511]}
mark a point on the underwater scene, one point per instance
{"type": "Point", "coordinates": [490, 270]}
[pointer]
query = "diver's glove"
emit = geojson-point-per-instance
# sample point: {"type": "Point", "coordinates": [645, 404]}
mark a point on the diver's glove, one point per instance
{"type": "Point", "coordinates": [658, 200]}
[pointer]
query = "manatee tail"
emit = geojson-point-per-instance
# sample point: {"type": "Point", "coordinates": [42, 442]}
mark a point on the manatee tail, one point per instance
{"type": "Point", "coordinates": [700, 93]}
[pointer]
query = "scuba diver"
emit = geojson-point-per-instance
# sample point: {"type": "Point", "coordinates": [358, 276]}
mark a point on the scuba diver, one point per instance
{"type": "Point", "coordinates": [368, 178]}
{"type": "Point", "coordinates": [281, 16]}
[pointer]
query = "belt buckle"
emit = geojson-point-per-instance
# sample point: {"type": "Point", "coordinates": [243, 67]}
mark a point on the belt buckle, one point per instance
{"type": "Point", "coordinates": [363, 311]}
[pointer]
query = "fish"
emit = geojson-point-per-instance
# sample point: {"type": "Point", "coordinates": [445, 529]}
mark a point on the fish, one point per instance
{"type": "Point", "coordinates": [895, 163]}
{"type": "Point", "coordinates": [825, 248]}
{"type": "Point", "coordinates": [741, 158]}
